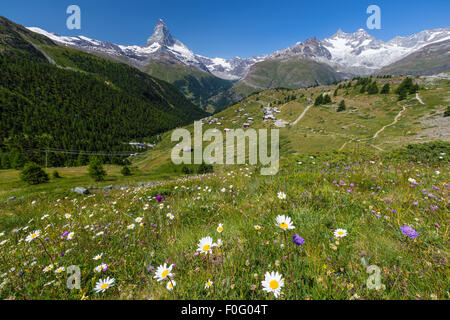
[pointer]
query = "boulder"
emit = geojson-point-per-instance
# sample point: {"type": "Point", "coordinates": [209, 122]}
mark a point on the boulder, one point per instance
{"type": "Point", "coordinates": [80, 190]}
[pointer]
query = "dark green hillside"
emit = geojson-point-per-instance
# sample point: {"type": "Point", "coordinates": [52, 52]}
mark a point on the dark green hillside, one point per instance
{"type": "Point", "coordinates": [54, 97]}
{"type": "Point", "coordinates": [203, 89]}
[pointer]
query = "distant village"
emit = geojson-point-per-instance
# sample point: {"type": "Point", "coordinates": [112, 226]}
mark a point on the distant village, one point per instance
{"type": "Point", "coordinates": [270, 115]}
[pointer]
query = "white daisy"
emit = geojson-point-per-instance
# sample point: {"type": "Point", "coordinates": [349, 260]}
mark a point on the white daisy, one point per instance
{"type": "Point", "coordinates": [205, 245]}
{"type": "Point", "coordinates": [281, 195]}
{"type": "Point", "coordinates": [219, 243]}
{"type": "Point", "coordinates": [208, 284]}
{"type": "Point", "coordinates": [171, 284]}
{"type": "Point", "coordinates": [131, 226]}
{"type": "Point", "coordinates": [48, 268]}
{"type": "Point", "coordinates": [68, 216]}
{"type": "Point", "coordinates": [340, 233]}
{"type": "Point", "coordinates": [273, 282]}
{"type": "Point", "coordinates": [170, 216]}
{"type": "Point", "coordinates": [220, 228]}
{"type": "Point", "coordinates": [103, 285]}
{"type": "Point", "coordinates": [4, 242]}
{"type": "Point", "coordinates": [163, 272]}
{"type": "Point", "coordinates": [60, 270]}
{"type": "Point", "coordinates": [257, 227]}
{"type": "Point", "coordinates": [70, 236]}
{"type": "Point", "coordinates": [284, 223]}
{"type": "Point", "coordinates": [33, 236]}
{"type": "Point", "coordinates": [98, 257]}
{"type": "Point", "coordinates": [100, 268]}
{"type": "Point", "coordinates": [138, 220]}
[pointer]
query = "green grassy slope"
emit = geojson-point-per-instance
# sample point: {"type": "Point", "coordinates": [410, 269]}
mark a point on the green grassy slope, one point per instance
{"type": "Point", "coordinates": [323, 128]}
{"type": "Point", "coordinates": [58, 97]}
{"type": "Point", "coordinates": [289, 73]}
{"type": "Point", "coordinates": [366, 194]}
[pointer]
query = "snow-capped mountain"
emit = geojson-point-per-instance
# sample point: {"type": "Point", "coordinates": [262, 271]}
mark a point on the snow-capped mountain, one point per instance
{"type": "Point", "coordinates": [231, 69]}
{"type": "Point", "coordinates": [356, 53]}
{"type": "Point", "coordinates": [161, 45]}
{"type": "Point", "coordinates": [359, 52]}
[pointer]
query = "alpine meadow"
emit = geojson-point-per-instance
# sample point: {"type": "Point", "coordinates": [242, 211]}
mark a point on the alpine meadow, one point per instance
{"type": "Point", "coordinates": [93, 205]}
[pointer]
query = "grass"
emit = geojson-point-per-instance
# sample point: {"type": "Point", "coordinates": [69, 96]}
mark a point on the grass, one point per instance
{"type": "Point", "coordinates": [361, 189]}
{"type": "Point", "coordinates": [369, 195]}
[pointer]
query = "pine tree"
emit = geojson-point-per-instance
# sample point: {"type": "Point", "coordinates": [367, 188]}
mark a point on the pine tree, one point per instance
{"type": "Point", "coordinates": [125, 171]}
{"type": "Point", "coordinates": [5, 164]}
{"type": "Point", "coordinates": [402, 94]}
{"type": "Point", "coordinates": [82, 159]}
{"type": "Point", "coordinates": [342, 106]}
{"type": "Point", "coordinates": [373, 88]}
{"type": "Point", "coordinates": [319, 100]}
{"type": "Point", "coordinates": [414, 89]}
{"type": "Point", "coordinates": [96, 170]}
{"type": "Point", "coordinates": [386, 89]}
{"type": "Point", "coordinates": [326, 99]}
{"type": "Point", "coordinates": [32, 173]}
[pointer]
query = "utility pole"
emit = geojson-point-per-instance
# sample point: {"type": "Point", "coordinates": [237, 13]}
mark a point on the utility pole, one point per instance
{"type": "Point", "coordinates": [46, 159]}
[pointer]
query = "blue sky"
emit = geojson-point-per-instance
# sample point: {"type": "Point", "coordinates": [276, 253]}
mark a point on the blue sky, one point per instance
{"type": "Point", "coordinates": [229, 28]}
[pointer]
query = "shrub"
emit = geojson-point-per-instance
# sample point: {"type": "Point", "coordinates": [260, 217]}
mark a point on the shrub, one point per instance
{"type": "Point", "coordinates": [96, 170]}
{"type": "Point", "coordinates": [125, 171]}
{"type": "Point", "coordinates": [447, 112]}
{"type": "Point", "coordinates": [386, 89]}
{"type": "Point", "coordinates": [205, 168]}
{"type": "Point", "coordinates": [32, 173]}
{"type": "Point", "coordinates": [342, 106]}
{"type": "Point", "coordinates": [319, 100]}
{"type": "Point", "coordinates": [429, 152]}
{"type": "Point", "coordinates": [186, 170]}
{"type": "Point", "coordinates": [56, 174]}
{"type": "Point", "coordinates": [373, 88]}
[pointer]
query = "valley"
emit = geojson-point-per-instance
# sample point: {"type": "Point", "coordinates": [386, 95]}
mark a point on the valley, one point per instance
{"type": "Point", "coordinates": [363, 180]}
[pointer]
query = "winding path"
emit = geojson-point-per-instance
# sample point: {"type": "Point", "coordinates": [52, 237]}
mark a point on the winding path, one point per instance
{"type": "Point", "coordinates": [418, 98]}
{"type": "Point", "coordinates": [301, 116]}
{"type": "Point", "coordinates": [397, 117]}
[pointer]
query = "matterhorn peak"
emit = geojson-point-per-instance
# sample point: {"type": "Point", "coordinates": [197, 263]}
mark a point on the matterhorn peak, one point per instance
{"type": "Point", "coordinates": [161, 35]}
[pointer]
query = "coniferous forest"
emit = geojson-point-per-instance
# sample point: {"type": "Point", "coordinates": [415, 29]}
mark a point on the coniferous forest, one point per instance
{"type": "Point", "coordinates": [76, 102]}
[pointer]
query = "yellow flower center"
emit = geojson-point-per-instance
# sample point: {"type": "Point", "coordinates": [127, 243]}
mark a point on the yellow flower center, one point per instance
{"type": "Point", "coordinates": [219, 229]}
{"type": "Point", "coordinates": [104, 286]}
{"type": "Point", "coordinates": [340, 233]}
{"type": "Point", "coordinates": [206, 247]}
{"type": "Point", "coordinates": [34, 235]}
{"type": "Point", "coordinates": [170, 285]}
{"type": "Point", "coordinates": [208, 284]}
{"type": "Point", "coordinates": [274, 284]}
{"type": "Point", "coordinates": [283, 225]}
{"type": "Point", "coordinates": [165, 273]}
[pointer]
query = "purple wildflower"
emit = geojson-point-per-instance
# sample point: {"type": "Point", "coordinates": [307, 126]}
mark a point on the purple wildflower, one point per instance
{"type": "Point", "coordinates": [298, 240]}
{"type": "Point", "coordinates": [408, 231]}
